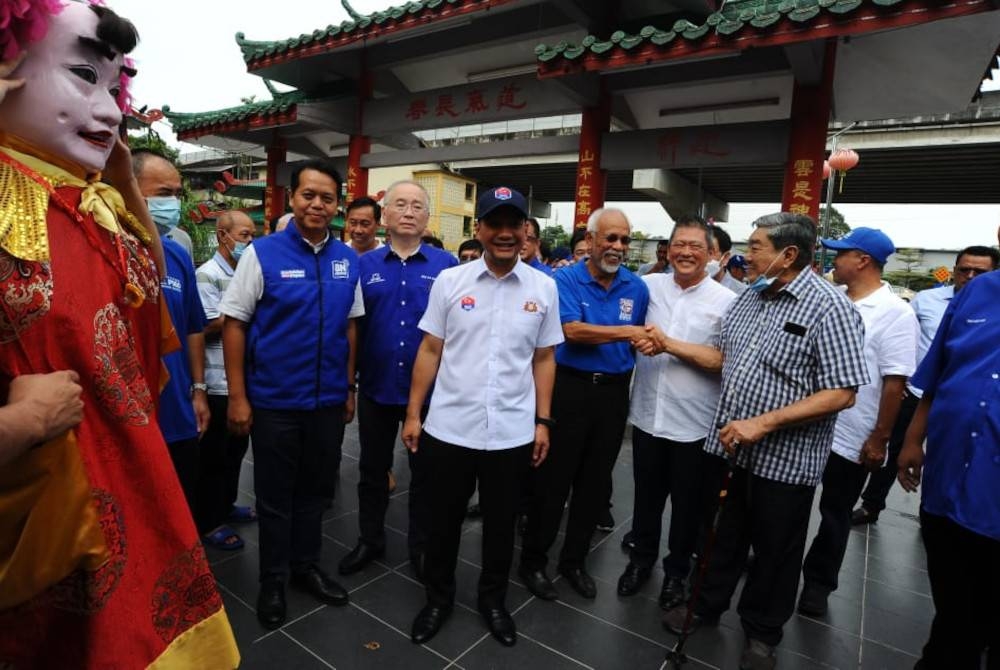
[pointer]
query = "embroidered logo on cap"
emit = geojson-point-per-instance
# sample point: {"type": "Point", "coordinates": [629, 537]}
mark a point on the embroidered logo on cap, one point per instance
{"type": "Point", "coordinates": [503, 193]}
{"type": "Point", "coordinates": [468, 303]}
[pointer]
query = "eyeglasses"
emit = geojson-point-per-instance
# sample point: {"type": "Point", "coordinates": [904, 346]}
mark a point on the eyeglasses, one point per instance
{"type": "Point", "coordinates": [530, 238]}
{"type": "Point", "coordinates": [614, 237]}
{"type": "Point", "coordinates": [400, 207]}
{"type": "Point", "coordinates": [680, 245]}
{"type": "Point", "coordinates": [966, 270]}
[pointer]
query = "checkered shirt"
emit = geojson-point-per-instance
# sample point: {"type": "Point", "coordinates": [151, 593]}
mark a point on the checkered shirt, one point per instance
{"type": "Point", "coordinates": [778, 350]}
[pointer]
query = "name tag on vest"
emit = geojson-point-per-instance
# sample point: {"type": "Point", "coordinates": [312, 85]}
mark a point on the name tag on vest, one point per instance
{"type": "Point", "coordinates": [293, 274]}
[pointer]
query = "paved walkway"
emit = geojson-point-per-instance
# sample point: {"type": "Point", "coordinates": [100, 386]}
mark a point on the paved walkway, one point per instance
{"type": "Point", "coordinates": [879, 617]}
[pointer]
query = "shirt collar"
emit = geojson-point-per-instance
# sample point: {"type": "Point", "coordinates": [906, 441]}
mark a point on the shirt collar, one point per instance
{"type": "Point", "coordinates": [584, 277]}
{"type": "Point", "coordinates": [875, 297]}
{"type": "Point", "coordinates": [391, 253]}
{"type": "Point", "coordinates": [221, 261]}
{"type": "Point", "coordinates": [520, 267]}
{"type": "Point", "coordinates": [795, 287]}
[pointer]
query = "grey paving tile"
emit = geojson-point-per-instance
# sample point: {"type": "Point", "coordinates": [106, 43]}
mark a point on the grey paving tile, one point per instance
{"type": "Point", "coordinates": [878, 657]}
{"type": "Point", "coordinates": [820, 643]}
{"type": "Point", "coordinates": [350, 638]}
{"type": "Point", "coordinates": [279, 651]}
{"type": "Point", "coordinates": [396, 600]}
{"type": "Point", "coordinates": [527, 653]}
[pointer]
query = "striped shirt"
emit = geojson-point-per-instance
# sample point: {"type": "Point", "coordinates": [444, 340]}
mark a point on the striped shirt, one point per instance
{"type": "Point", "coordinates": [213, 277]}
{"type": "Point", "coordinates": [777, 351]}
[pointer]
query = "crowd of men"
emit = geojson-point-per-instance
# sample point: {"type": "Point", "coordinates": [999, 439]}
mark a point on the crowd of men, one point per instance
{"type": "Point", "coordinates": [516, 377]}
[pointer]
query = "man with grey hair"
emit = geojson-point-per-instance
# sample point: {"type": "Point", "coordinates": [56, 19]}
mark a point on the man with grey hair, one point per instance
{"type": "Point", "coordinates": [793, 356]}
{"type": "Point", "coordinates": [602, 307]}
{"type": "Point", "coordinates": [396, 281]}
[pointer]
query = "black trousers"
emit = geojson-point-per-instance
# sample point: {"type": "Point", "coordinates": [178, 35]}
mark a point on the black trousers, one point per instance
{"type": "Point", "coordinates": [294, 451]}
{"type": "Point", "coordinates": [665, 468]}
{"type": "Point", "coordinates": [454, 474]}
{"type": "Point", "coordinates": [590, 423]}
{"type": "Point", "coordinates": [219, 472]}
{"type": "Point", "coordinates": [842, 482]}
{"type": "Point", "coordinates": [964, 571]}
{"type": "Point", "coordinates": [773, 518]}
{"type": "Point", "coordinates": [185, 457]}
{"type": "Point", "coordinates": [378, 427]}
{"type": "Point", "coordinates": [880, 482]}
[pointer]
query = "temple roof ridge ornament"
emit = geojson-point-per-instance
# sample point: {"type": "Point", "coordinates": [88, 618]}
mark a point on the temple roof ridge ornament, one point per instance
{"type": "Point", "coordinates": [281, 105]}
{"type": "Point", "coordinates": [737, 24]}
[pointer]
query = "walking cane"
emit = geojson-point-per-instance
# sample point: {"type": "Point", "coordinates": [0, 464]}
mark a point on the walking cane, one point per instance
{"type": "Point", "coordinates": [676, 656]}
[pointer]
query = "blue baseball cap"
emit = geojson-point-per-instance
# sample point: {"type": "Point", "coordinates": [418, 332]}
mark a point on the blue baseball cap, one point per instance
{"type": "Point", "coordinates": [501, 196]}
{"type": "Point", "coordinates": [871, 241]}
{"type": "Point", "coordinates": [737, 261]}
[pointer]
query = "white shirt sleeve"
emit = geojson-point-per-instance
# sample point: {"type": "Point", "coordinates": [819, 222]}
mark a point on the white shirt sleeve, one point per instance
{"type": "Point", "coordinates": [358, 308]}
{"type": "Point", "coordinates": [551, 332]}
{"type": "Point", "coordinates": [898, 345]}
{"type": "Point", "coordinates": [209, 292]}
{"type": "Point", "coordinates": [435, 318]}
{"type": "Point", "coordinates": [245, 289]}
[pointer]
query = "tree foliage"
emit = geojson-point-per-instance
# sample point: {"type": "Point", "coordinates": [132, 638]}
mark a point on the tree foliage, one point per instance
{"type": "Point", "coordinates": [838, 226]}
{"type": "Point", "coordinates": [556, 236]}
{"type": "Point", "coordinates": [152, 141]}
{"type": "Point", "coordinates": [913, 275]}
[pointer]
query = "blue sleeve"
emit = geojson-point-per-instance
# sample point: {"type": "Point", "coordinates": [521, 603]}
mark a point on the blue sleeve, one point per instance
{"type": "Point", "coordinates": [928, 374]}
{"type": "Point", "coordinates": [569, 302]}
{"type": "Point", "coordinates": [195, 311]}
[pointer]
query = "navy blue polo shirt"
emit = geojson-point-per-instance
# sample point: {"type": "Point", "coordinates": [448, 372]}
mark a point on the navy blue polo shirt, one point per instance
{"type": "Point", "coordinates": [395, 292]}
{"type": "Point", "coordinates": [961, 376]}
{"type": "Point", "coordinates": [179, 288]}
{"type": "Point", "coordinates": [581, 298]}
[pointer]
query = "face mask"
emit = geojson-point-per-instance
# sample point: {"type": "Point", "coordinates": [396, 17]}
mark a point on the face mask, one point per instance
{"type": "Point", "coordinates": [238, 249]}
{"type": "Point", "coordinates": [165, 210]}
{"type": "Point", "coordinates": [712, 268]}
{"type": "Point", "coordinates": [763, 282]}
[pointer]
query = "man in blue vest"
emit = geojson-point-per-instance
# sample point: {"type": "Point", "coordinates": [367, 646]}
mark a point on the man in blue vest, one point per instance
{"type": "Point", "coordinates": [289, 342]}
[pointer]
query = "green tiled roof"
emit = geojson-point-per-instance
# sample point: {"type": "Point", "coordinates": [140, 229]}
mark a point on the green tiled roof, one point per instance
{"type": "Point", "coordinates": [358, 25]}
{"type": "Point", "coordinates": [731, 18]}
{"type": "Point", "coordinates": [184, 122]}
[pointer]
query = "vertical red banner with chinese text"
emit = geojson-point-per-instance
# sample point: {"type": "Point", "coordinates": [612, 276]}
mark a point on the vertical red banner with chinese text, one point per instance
{"type": "Point", "coordinates": [590, 178]}
{"type": "Point", "coordinates": [802, 192]}
{"type": "Point", "coordinates": [360, 144]}
{"type": "Point", "coordinates": [274, 195]}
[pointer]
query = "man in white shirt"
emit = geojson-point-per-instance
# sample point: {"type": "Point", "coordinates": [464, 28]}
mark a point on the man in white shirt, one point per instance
{"type": "Point", "coordinates": [862, 432]}
{"type": "Point", "coordinates": [362, 217]}
{"type": "Point", "coordinates": [929, 306]}
{"type": "Point", "coordinates": [718, 264]}
{"type": "Point", "coordinates": [674, 396]}
{"type": "Point", "coordinates": [498, 317]}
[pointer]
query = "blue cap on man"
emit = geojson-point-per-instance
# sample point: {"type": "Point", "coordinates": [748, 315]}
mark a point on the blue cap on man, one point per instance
{"type": "Point", "coordinates": [871, 241]}
{"type": "Point", "coordinates": [501, 196]}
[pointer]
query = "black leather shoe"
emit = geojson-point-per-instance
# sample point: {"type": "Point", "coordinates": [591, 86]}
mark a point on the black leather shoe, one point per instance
{"type": "Point", "coordinates": [632, 579]}
{"type": "Point", "coordinates": [428, 623]}
{"type": "Point", "coordinates": [674, 620]}
{"type": "Point", "coordinates": [501, 625]}
{"type": "Point", "coordinates": [861, 516]}
{"type": "Point", "coordinates": [538, 583]}
{"type": "Point", "coordinates": [271, 604]}
{"type": "Point", "coordinates": [672, 593]}
{"type": "Point", "coordinates": [314, 581]}
{"type": "Point", "coordinates": [628, 541]}
{"type": "Point", "coordinates": [359, 557]}
{"type": "Point", "coordinates": [813, 601]}
{"type": "Point", "coordinates": [581, 582]}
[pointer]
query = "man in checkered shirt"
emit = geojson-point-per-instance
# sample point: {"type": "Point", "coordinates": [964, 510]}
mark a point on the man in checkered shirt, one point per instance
{"type": "Point", "coordinates": [793, 348]}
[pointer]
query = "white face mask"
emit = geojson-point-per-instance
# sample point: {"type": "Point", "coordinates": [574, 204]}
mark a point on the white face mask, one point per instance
{"type": "Point", "coordinates": [713, 268]}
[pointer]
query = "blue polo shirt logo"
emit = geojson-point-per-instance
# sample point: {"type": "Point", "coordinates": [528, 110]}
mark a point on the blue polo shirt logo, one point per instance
{"type": "Point", "coordinates": [293, 274]}
{"type": "Point", "coordinates": [340, 268]}
{"type": "Point", "coordinates": [375, 278]}
{"type": "Point", "coordinates": [625, 309]}
{"type": "Point", "coordinates": [468, 303]}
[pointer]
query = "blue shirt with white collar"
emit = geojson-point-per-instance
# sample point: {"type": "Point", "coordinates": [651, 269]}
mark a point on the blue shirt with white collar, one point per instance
{"type": "Point", "coordinates": [582, 298]}
{"type": "Point", "coordinates": [961, 376]}
{"type": "Point", "coordinates": [395, 292]}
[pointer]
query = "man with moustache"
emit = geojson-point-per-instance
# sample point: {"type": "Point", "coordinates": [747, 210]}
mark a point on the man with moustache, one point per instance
{"type": "Point", "coordinates": [602, 306]}
{"type": "Point", "coordinates": [498, 317]}
{"type": "Point", "coordinates": [396, 280]}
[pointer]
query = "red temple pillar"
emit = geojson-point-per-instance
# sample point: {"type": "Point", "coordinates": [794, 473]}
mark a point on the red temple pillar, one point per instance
{"type": "Point", "coordinates": [803, 187]}
{"type": "Point", "coordinates": [274, 195]}
{"type": "Point", "coordinates": [590, 178]}
{"type": "Point", "coordinates": [360, 144]}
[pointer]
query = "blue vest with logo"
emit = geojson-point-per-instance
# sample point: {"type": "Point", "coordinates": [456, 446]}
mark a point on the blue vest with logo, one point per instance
{"type": "Point", "coordinates": [297, 347]}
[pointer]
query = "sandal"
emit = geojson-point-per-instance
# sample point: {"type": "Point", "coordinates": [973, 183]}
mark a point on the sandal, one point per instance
{"type": "Point", "coordinates": [224, 538]}
{"type": "Point", "coordinates": [242, 514]}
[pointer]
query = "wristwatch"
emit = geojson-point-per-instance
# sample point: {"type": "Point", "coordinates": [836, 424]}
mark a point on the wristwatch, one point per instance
{"type": "Point", "coordinates": [353, 388]}
{"type": "Point", "coordinates": [548, 422]}
{"type": "Point", "coordinates": [199, 386]}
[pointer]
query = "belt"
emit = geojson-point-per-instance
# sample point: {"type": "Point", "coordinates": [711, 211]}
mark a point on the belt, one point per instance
{"type": "Point", "coordinates": [599, 378]}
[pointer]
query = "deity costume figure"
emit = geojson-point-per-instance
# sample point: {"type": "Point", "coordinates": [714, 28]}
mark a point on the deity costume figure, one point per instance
{"type": "Point", "coordinates": [100, 562]}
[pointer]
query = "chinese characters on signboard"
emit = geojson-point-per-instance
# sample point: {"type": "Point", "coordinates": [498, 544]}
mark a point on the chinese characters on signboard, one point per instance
{"type": "Point", "coordinates": [465, 108]}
